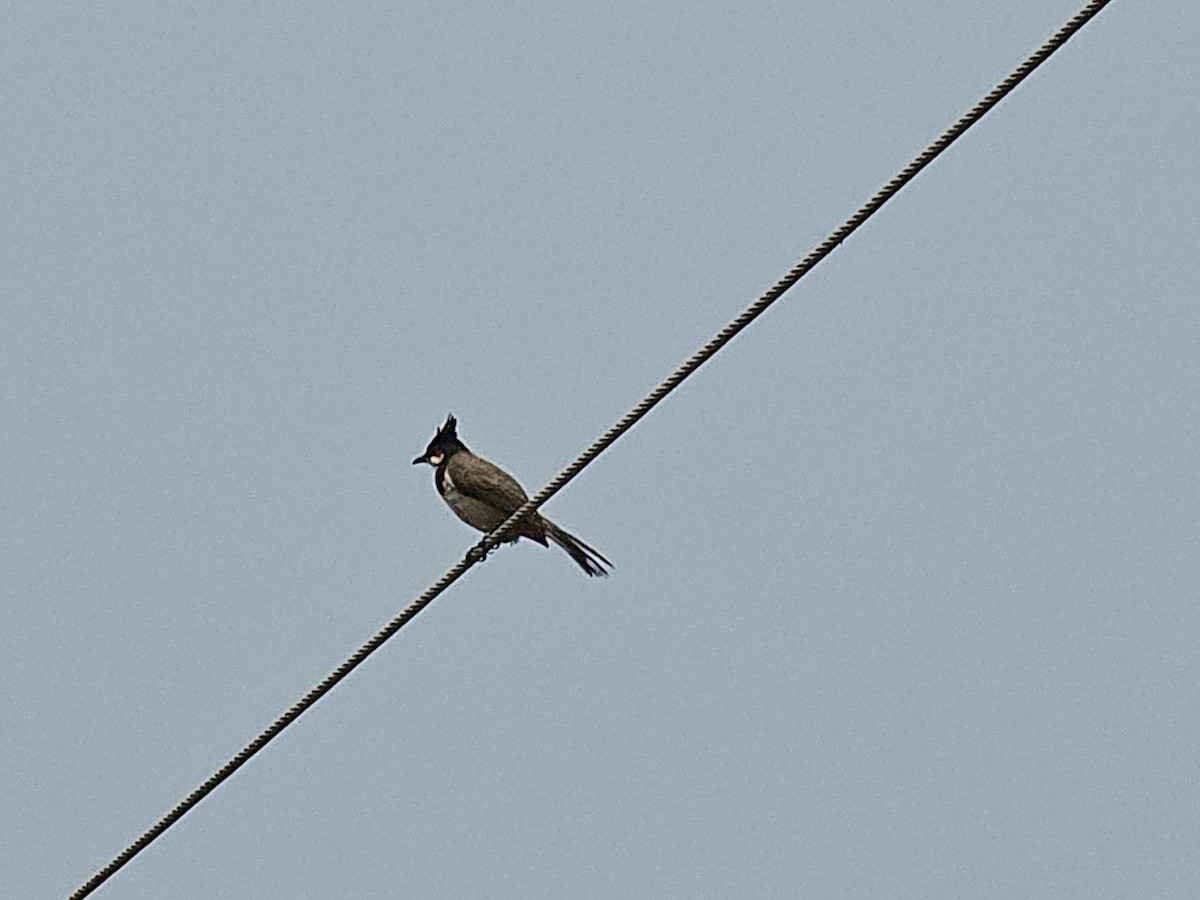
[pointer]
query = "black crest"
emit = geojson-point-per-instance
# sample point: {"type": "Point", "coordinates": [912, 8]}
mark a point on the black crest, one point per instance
{"type": "Point", "coordinates": [445, 442]}
{"type": "Point", "coordinates": [448, 433]}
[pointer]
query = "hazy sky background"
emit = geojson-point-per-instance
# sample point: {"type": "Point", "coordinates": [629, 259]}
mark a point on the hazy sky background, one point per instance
{"type": "Point", "coordinates": [907, 588]}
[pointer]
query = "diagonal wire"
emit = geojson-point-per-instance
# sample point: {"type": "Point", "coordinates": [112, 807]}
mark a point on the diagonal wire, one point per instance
{"type": "Point", "coordinates": [484, 547]}
{"type": "Point", "coordinates": [802, 268]}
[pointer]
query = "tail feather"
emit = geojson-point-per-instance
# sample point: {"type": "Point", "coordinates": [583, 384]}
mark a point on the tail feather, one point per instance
{"type": "Point", "coordinates": [588, 558]}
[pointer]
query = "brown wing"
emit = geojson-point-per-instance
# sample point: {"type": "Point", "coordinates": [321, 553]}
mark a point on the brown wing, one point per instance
{"type": "Point", "coordinates": [479, 479]}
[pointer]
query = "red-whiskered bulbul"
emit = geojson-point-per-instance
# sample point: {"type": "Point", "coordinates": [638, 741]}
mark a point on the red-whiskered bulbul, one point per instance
{"type": "Point", "coordinates": [483, 495]}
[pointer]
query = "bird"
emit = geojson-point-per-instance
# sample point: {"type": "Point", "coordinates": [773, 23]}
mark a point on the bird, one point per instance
{"type": "Point", "coordinates": [483, 495]}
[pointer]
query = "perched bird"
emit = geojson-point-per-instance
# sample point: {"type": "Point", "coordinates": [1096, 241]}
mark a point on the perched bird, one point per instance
{"type": "Point", "coordinates": [483, 495]}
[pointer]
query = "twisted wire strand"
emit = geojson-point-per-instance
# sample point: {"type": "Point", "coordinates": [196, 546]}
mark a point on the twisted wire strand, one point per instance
{"type": "Point", "coordinates": [752, 312]}
{"type": "Point", "coordinates": [480, 551]}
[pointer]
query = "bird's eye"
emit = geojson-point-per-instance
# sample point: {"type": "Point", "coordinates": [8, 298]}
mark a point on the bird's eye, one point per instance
{"type": "Point", "coordinates": [436, 457]}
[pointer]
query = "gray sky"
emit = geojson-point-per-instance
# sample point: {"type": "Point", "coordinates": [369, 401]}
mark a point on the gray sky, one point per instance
{"type": "Point", "coordinates": [906, 597]}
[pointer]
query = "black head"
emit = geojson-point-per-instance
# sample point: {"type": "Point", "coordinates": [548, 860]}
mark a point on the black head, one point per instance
{"type": "Point", "coordinates": [445, 443]}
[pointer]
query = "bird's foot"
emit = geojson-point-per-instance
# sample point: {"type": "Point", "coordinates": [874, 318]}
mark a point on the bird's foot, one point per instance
{"type": "Point", "coordinates": [479, 553]}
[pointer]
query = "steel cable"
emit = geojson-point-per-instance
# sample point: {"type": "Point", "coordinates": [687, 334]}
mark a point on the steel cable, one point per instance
{"type": "Point", "coordinates": [489, 542]}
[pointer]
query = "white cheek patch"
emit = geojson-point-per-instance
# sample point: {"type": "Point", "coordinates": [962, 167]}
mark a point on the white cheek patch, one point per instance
{"type": "Point", "coordinates": [435, 459]}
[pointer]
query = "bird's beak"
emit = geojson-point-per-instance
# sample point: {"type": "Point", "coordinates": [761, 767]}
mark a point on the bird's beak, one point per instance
{"type": "Point", "coordinates": [420, 459]}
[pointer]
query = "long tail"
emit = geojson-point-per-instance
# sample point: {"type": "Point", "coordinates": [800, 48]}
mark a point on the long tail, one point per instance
{"type": "Point", "coordinates": [588, 558]}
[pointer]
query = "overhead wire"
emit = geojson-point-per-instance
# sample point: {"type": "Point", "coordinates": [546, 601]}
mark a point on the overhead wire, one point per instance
{"type": "Point", "coordinates": [480, 551]}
